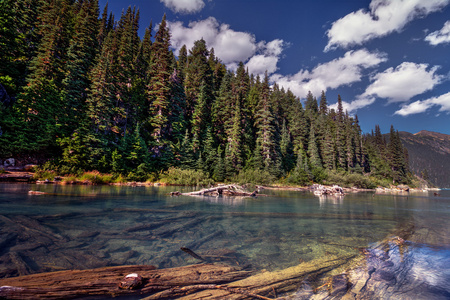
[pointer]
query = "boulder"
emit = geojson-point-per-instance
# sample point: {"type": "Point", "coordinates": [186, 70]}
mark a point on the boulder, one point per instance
{"type": "Point", "coordinates": [10, 162]}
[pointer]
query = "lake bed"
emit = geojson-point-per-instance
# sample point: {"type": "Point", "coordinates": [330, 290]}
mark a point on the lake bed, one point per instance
{"type": "Point", "coordinates": [82, 227]}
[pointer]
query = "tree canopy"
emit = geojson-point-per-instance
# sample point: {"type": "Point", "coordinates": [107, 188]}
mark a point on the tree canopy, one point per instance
{"type": "Point", "coordinates": [85, 91]}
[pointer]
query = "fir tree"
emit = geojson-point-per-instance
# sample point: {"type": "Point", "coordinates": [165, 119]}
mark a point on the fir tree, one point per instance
{"type": "Point", "coordinates": [313, 150]}
{"type": "Point", "coordinates": [323, 108]}
{"type": "Point", "coordinates": [266, 131]}
{"type": "Point", "coordinates": [159, 88]}
{"type": "Point", "coordinates": [286, 149]}
{"type": "Point", "coordinates": [198, 82]}
{"type": "Point", "coordinates": [340, 136]}
{"type": "Point", "coordinates": [80, 58]}
{"type": "Point", "coordinates": [311, 104]}
{"type": "Point", "coordinates": [329, 153]}
{"type": "Point", "coordinates": [182, 62]}
{"type": "Point", "coordinates": [234, 146]}
{"type": "Point", "coordinates": [101, 99]}
{"type": "Point", "coordinates": [48, 64]}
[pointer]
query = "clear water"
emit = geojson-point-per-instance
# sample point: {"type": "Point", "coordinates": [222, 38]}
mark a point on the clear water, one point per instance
{"type": "Point", "coordinates": [78, 227]}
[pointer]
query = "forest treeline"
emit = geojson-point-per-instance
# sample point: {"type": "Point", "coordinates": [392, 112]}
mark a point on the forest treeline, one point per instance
{"type": "Point", "coordinates": [83, 91]}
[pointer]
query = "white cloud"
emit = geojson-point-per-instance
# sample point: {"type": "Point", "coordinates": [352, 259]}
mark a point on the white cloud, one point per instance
{"type": "Point", "coordinates": [230, 46]}
{"type": "Point", "coordinates": [397, 85]}
{"type": "Point", "coordinates": [184, 6]}
{"type": "Point", "coordinates": [258, 64]}
{"type": "Point", "coordinates": [338, 72]}
{"type": "Point", "coordinates": [440, 36]}
{"type": "Point", "coordinates": [404, 82]}
{"type": "Point", "coordinates": [423, 105]}
{"type": "Point", "coordinates": [384, 17]}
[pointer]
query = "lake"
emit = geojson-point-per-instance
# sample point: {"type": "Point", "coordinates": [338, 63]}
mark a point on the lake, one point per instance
{"type": "Point", "coordinates": [81, 227]}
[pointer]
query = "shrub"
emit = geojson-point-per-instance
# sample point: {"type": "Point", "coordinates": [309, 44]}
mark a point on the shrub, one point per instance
{"type": "Point", "coordinates": [41, 174]}
{"type": "Point", "coordinates": [95, 177]}
{"type": "Point", "coordinates": [299, 177]}
{"type": "Point", "coordinates": [253, 176]}
{"type": "Point", "coordinates": [140, 174]}
{"type": "Point", "coordinates": [179, 176]}
{"type": "Point", "coordinates": [345, 179]}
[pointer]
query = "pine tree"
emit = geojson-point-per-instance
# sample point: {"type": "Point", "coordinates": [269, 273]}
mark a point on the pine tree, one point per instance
{"type": "Point", "coordinates": [286, 149]}
{"type": "Point", "coordinates": [397, 157]}
{"type": "Point", "coordinates": [176, 119]}
{"type": "Point", "coordinates": [80, 58]}
{"type": "Point", "coordinates": [159, 87]}
{"type": "Point", "coordinates": [219, 173]}
{"type": "Point", "coordinates": [40, 107]}
{"type": "Point", "coordinates": [210, 152]}
{"type": "Point", "coordinates": [301, 174]}
{"type": "Point", "coordinates": [18, 43]}
{"type": "Point", "coordinates": [182, 62]}
{"type": "Point", "coordinates": [323, 108]}
{"type": "Point", "coordinates": [234, 146]}
{"type": "Point", "coordinates": [124, 70]}
{"type": "Point", "coordinates": [102, 100]}
{"type": "Point", "coordinates": [48, 64]}
{"type": "Point", "coordinates": [329, 153]}
{"type": "Point", "coordinates": [340, 136]}
{"type": "Point", "coordinates": [299, 126]}
{"type": "Point", "coordinates": [313, 150]}
{"type": "Point", "coordinates": [311, 104]}
{"type": "Point", "coordinates": [198, 82]}
{"type": "Point", "coordinates": [350, 143]}
{"type": "Point", "coordinates": [266, 131]}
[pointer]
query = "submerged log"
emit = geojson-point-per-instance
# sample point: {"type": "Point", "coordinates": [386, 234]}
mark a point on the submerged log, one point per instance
{"type": "Point", "coordinates": [106, 281]}
{"type": "Point", "coordinates": [259, 286]}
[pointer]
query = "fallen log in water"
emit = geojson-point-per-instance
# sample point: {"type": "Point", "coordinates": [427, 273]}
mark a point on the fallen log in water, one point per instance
{"type": "Point", "coordinates": [205, 281]}
{"type": "Point", "coordinates": [105, 281]}
{"type": "Point", "coordinates": [225, 190]}
{"type": "Point", "coordinates": [259, 286]}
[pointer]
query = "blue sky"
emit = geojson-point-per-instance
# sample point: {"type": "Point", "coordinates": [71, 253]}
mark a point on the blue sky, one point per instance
{"type": "Point", "coordinates": [389, 60]}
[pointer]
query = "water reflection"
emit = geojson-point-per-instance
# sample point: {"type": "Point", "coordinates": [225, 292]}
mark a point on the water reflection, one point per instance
{"type": "Point", "coordinates": [331, 199]}
{"type": "Point", "coordinates": [223, 200]}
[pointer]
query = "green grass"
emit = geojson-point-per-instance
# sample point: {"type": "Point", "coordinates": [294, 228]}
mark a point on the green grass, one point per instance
{"type": "Point", "coordinates": [95, 177]}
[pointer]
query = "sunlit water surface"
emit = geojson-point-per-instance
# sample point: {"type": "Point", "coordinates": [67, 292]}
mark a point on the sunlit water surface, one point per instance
{"type": "Point", "coordinates": [78, 227]}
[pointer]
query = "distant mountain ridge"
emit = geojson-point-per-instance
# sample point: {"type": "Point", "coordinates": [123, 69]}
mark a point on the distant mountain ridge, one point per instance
{"type": "Point", "coordinates": [429, 153]}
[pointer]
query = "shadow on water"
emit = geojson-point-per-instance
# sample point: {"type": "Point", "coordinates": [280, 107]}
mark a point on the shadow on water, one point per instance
{"type": "Point", "coordinates": [82, 227]}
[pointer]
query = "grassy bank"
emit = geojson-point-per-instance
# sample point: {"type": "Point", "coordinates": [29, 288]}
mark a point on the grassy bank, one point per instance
{"type": "Point", "coordinates": [189, 177]}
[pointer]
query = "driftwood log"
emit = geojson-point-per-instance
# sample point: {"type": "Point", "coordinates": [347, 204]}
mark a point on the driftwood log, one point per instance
{"type": "Point", "coordinates": [224, 190]}
{"type": "Point", "coordinates": [205, 281]}
{"type": "Point", "coordinates": [270, 285]}
{"type": "Point", "coordinates": [105, 281]}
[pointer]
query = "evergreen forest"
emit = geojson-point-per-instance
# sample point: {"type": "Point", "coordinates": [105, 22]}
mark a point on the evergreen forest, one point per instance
{"type": "Point", "coordinates": [81, 91]}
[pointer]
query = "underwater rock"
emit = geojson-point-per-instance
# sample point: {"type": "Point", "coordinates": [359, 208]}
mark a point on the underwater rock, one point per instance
{"type": "Point", "coordinates": [393, 271]}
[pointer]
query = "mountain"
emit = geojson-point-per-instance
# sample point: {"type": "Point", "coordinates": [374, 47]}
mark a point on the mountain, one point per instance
{"type": "Point", "coordinates": [429, 155]}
